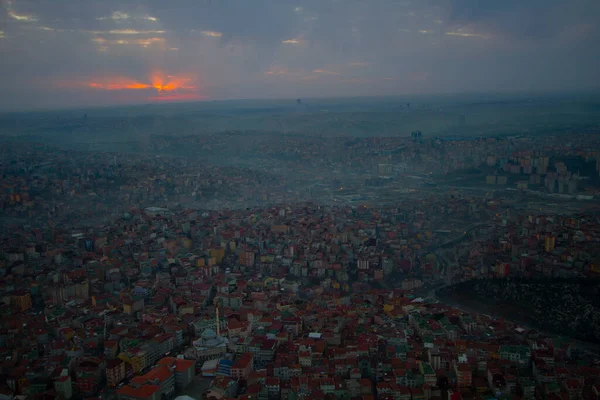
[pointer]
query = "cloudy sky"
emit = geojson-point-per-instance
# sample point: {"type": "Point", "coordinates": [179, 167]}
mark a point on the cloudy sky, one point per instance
{"type": "Point", "coordinates": [56, 53]}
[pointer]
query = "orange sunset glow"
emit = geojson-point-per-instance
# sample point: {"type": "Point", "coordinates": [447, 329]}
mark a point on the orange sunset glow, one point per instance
{"type": "Point", "coordinates": [119, 84]}
{"type": "Point", "coordinates": [169, 87]}
{"type": "Point", "coordinates": [170, 83]}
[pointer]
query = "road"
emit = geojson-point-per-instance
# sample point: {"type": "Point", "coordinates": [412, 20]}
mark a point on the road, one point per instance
{"type": "Point", "coordinates": [460, 238]}
{"type": "Point", "coordinates": [450, 242]}
{"type": "Point", "coordinates": [197, 387]}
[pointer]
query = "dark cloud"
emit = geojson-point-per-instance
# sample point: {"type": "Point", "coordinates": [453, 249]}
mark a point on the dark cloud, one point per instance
{"type": "Point", "coordinates": [52, 49]}
{"type": "Point", "coordinates": [522, 19]}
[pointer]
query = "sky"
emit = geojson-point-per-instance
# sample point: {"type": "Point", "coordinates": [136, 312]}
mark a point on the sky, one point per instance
{"type": "Point", "coordinates": [71, 53]}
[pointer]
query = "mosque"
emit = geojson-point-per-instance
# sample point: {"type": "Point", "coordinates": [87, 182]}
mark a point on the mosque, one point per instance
{"type": "Point", "coordinates": [209, 346]}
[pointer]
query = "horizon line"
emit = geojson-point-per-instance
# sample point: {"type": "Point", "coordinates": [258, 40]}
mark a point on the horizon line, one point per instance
{"type": "Point", "coordinates": [532, 93]}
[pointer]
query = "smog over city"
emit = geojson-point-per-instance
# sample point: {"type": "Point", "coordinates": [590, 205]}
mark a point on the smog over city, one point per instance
{"type": "Point", "coordinates": [311, 199]}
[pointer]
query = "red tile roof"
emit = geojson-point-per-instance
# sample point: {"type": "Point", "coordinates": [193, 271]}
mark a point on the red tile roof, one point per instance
{"type": "Point", "coordinates": [141, 392]}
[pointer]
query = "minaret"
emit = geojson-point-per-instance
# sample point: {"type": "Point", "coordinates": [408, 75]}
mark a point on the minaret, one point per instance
{"type": "Point", "coordinates": [218, 322]}
{"type": "Point", "coordinates": [105, 323]}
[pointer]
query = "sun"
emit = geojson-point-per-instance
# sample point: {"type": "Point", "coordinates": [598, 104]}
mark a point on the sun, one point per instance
{"type": "Point", "coordinates": [167, 87]}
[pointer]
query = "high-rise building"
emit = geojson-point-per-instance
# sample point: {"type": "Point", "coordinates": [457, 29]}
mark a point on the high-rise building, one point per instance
{"type": "Point", "coordinates": [21, 299]}
{"type": "Point", "coordinates": [549, 243]}
{"type": "Point", "coordinates": [115, 372]}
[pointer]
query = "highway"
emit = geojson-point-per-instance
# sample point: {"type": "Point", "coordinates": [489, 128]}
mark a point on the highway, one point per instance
{"type": "Point", "coordinates": [450, 242]}
{"type": "Point", "coordinates": [459, 238]}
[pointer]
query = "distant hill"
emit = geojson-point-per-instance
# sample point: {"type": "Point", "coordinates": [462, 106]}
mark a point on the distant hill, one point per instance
{"type": "Point", "coordinates": [360, 117]}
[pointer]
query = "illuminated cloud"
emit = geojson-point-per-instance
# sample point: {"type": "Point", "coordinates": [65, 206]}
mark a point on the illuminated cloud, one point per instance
{"type": "Point", "coordinates": [212, 33]}
{"type": "Point", "coordinates": [18, 17]}
{"type": "Point", "coordinates": [166, 87]}
{"type": "Point", "coordinates": [292, 41]}
{"type": "Point", "coordinates": [277, 71]}
{"type": "Point", "coordinates": [169, 83]}
{"type": "Point", "coordinates": [119, 83]}
{"type": "Point", "coordinates": [325, 72]}
{"type": "Point", "coordinates": [134, 32]}
{"type": "Point", "coordinates": [425, 31]}
{"type": "Point", "coordinates": [357, 64]}
{"type": "Point", "coordinates": [25, 18]}
{"type": "Point", "coordinates": [115, 16]}
{"type": "Point", "coordinates": [174, 87]}
{"type": "Point", "coordinates": [1, 34]}
{"type": "Point", "coordinates": [148, 41]}
{"type": "Point", "coordinates": [127, 32]}
{"type": "Point", "coordinates": [145, 42]}
{"type": "Point", "coordinates": [118, 16]}
{"type": "Point", "coordinates": [298, 9]}
{"type": "Point", "coordinates": [463, 34]}
{"type": "Point", "coordinates": [122, 32]}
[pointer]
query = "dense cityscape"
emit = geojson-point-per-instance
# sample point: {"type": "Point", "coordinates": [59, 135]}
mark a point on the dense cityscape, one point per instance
{"type": "Point", "coordinates": [408, 267]}
{"type": "Point", "coordinates": [299, 200]}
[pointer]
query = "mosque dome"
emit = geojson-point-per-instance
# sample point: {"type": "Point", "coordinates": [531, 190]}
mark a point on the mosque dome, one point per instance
{"type": "Point", "coordinates": [209, 334]}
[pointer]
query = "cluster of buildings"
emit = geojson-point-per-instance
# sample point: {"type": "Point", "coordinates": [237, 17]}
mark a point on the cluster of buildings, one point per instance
{"type": "Point", "coordinates": [46, 185]}
{"type": "Point", "coordinates": [114, 286]}
{"type": "Point", "coordinates": [517, 161]}
{"type": "Point", "coordinates": [526, 164]}
{"type": "Point", "coordinates": [530, 245]}
{"type": "Point", "coordinates": [284, 302]}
